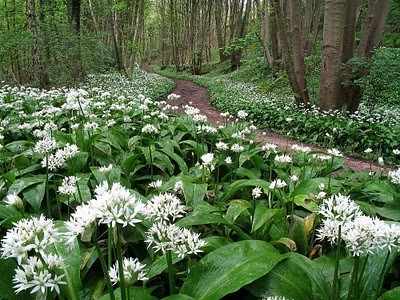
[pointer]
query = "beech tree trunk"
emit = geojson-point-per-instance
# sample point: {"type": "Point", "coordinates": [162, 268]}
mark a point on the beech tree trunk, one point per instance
{"type": "Point", "coordinates": [330, 80]}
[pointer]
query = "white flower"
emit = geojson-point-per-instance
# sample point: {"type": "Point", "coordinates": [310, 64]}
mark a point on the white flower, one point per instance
{"type": "Point", "coordinates": [47, 145]}
{"type": "Point", "coordinates": [277, 184]}
{"type": "Point", "coordinates": [207, 158]}
{"type": "Point", "coordinates": [164, 207]}
{"type": "Point", "coordinates": [237, 148]}
{"type": "Point", "coordinates": [283, 159]}
{"type": "Point", "coordinates": [228, 160]}
{"type": "Point", "coordinates": [396, 151]}
{"type": "Point", "coordinates": [242, 114]}
{"type": "Point", "coordinates": [321, 157]}
{"type": "Point", "coordinates": [91, 126]}
{"type": "Point", "coordinates": [321, 195]}
{"type": "Point", "coordinates": [294, 178]}
{"type": "Point", "coordinates": [173, 97]}
{"type": "Point", "coordinates": [368, 150]}
{"type": "Point", "coordinates": [106, 170]}
{"type": "Point", "coordinates": [269, 147]}
{"type": "Point", "coordinates": [334, 152]}
{"type": "Point", "coordinates": [394, 176]}
{"type": "Point", "coordinates": [222, 146]}
{"type": "Point", "coordinates": [133, 271]}
{"type": "Point", "coordinates": [299, 148]}
{"type": "Point", "coordinates": [28, 235]}
{"type": "Point", "coordinates": [381, 161]}
{"type": "Point", "coordinates": [256, 192]}
{"type": "Point", "coordinates": [156, 184]}
{"type": "Point", "coordinates": [321, 186]}
{"type": "Point", "coordinates": [149, 128]}
{"type": "Point", "coordinates": [14, 200]}
{"type": "Point", "coordinates": [289, 120]}
{"type": "Point", "coordinates": [178, 187]}
{"type": "Point", "coordinates": [68, 185]}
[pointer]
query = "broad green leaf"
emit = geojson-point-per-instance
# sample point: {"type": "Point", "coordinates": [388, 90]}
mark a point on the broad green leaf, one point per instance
{"type": "Point", "coordinates": [374, 268]}
{"type": "Point", "coordinates": [20, 184]}
{"type": "Point", "coordinates": [393, 294]}
{"type": "Point", "coordinates": [240, 184]}
{"type": "Point", "coordinates": [311, 186]}
{"type": "Point", "coordinates": [77, 162]}
{"type": "Point", "coordinates": [160, 264]}
{"type": "Point", "coordinates": [34, 195]}
{"type": "Point", "coordinates": [390, 211]}
{"type": "Point", "coordinates": [306, 202]}
{"type": "Point", "coordinates": [7, 267]}
{"type": "Point", "coordinates": [229, 268]}
{"type": "Point", "coordinates": [194, 192]}
{"type": "Point", "coordinates": [263, 216]}
{"type": "Point", "coordinates": [296, 277]}
{"type": "Point", "coordinates": [251, 174]}
{"type": "Point", "coordinates": [135, 293]}
{"type": "Point", "coordinates": [130, 162]}
{"type": "Point", "coordinates": [178, 297]}
{"type": "Point", "coordinates": [72, 260]}
{"type": "Point", "coordinates": [215, 242]}
{"type": "Point", "coordinates": [202, 214]}
{"type": "Point", "coordinates": [236, 208]}
{"type": "Point", "coordinates": [8, 212]}
{"type": "Point", "coordinates": [298, 233]}
{"type": "Point", "coordinates": [181, 163]}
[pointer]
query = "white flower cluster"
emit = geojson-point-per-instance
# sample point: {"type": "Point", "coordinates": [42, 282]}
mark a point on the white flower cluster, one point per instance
{"type": "Point", "coordinates": [133, 271]}
{"type": "Point", "coordinates": [164, 207]}
{"type": "Point", "coordinates": [277, 184]}
{"type": "Point", "coordinates": [283, 159]}
{"type": "Point", "coordinates": [27, 242]}
{"type": "Point", "coordinates": [68, 185]}
{"type": "Point", "coordinates": [361, 234]}
{"type": "Point", "coordinates": [256, 192]}
{"type": "Point", "coordinates": [394, 176]}
{"type": "Point", "coordinates": [46, 145]}
{"type": "Point", "coordinates": [58, 159]}
{"type": "Point", "coordinates": [299, 148]}
{"type": "Point", "coordinates": [169, 237]}
{"type": "Point", "coordinates": [164, 235]}
{"type": "Point", "coordinates": [149, 128]}
{"type": "Point", "coordinates": [111, 206]}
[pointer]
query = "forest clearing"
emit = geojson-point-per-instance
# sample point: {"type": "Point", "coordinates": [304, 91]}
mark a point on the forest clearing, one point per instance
{"type": "Point", "coordinates": [193, 149]}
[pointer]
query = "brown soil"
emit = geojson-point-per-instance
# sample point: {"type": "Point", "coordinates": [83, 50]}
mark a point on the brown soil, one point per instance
{"type": "Point", "coordinates": [197, 96]}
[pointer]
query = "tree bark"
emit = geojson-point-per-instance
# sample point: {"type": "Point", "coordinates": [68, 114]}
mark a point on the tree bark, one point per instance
{"type": "Point", "coordinates": [330, 80]}
{"type": "Point", "coordinates": [298, 56]}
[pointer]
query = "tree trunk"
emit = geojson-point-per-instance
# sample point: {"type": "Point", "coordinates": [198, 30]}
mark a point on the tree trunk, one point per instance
{"type": "Point", "coordinates": [298, 56]}
{"type": "Point", "coordinates": [283, 38]}
{"type": "Point", "coordinates": [218, 29]}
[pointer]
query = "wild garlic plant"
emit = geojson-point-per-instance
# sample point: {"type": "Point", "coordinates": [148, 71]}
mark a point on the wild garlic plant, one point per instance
{"type": "Point", "coordinates": [39, 269]}
{"type": "Point", "coordinates": [344, 222]}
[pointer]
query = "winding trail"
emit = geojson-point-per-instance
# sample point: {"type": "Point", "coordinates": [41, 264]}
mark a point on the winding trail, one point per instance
{"type": "Point", "coordinates": [197, 96]}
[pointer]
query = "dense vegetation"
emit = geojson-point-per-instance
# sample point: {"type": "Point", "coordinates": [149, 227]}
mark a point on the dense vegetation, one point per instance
{"type": "Point", "coordinates": [111, 192]}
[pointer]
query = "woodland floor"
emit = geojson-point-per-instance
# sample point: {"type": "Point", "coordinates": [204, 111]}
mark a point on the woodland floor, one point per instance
{"type": "Point", "coordinates": [197, 96]}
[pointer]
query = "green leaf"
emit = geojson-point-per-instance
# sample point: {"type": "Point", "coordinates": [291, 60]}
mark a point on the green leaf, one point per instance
{"type": "Point", "coordinates": [236, 208]}
{"type": "Point", "coordinates": [202, 214]}
{"type": "Point", "coordinates": [296, 277]}
{"type": "Point", "coordinates": [7, 267]}
{"type": "Point", "coordinates": [135, 293]}
{"type": "Point", "coordinates": [160, 264]}
{"type": "Point", "coordinates": [34, 195]}
{"type": "Point", "coordinates": [8, 212]}
{"type": "Point", "coordinates": [306, 202]}
{"type": "Point", "coordinates": [263, 216]}
{"type": "Point", "coordinates": [178, 297]}
{"type": "Point", "coordinates": [72, 259]}
{"type": "Point", "coordinates": [240, 184]}
{"type": "Point", "coordinates": [374, 268]}
{"type": "Point", "coordinates": [77, 162]}
{"type": "Point", "coordinates": [194, 192]}
{"type": "Point", "coordinates": [181, 163]}
{"type": "Point", "coordinates": [393, 294]}
{"type": "Point", "coordinates": [298, 234]}
{"type": "Point", "coordinates": [390, 211]}
{"type": "Point", "coordinates": [311, 186]}
{"type": "Point", "coordinates": [229, 268]}
{"type": "Point", "coordinates": [20, 184]}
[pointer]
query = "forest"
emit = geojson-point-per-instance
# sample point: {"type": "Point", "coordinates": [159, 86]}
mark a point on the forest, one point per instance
{"type": "Point", "coordinates": [200, 150]}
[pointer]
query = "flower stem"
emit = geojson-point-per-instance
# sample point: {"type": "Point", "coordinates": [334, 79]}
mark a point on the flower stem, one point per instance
{"type": "Point", "coordinates": [47, 187]}
{"type": "Point", "coordinates": [120, 265]}
{"type": "Point", "coordinates": [335, 284]}
{"type": "Point", "coordinates": [353, 280]}
{"type": "Point", "coordinates": [104, 267]}
{"type": "Point", "coordinates": [382, 276]}
{"type": "Point", "coordinates": [171, 277]}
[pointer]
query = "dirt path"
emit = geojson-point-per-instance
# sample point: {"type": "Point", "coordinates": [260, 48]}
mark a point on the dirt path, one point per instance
{"type": "Point", "coordinates": [197, 96]}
